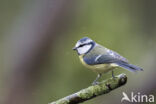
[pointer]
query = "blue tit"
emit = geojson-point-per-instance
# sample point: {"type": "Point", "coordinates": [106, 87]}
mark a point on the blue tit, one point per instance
{"type": "Point", "coordinates": [100, 59]}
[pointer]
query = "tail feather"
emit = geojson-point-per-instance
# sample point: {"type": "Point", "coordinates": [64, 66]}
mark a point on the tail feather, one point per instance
{"type": "Point", "coordinates": [130, 67]}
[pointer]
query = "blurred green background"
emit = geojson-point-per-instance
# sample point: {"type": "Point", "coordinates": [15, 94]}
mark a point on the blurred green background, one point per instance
{"type": "Point", "coordinates": [125, 26]}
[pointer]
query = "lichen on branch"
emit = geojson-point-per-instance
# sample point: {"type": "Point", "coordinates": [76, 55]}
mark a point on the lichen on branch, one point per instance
{"type": "Point", "coordinates": [92, 91]}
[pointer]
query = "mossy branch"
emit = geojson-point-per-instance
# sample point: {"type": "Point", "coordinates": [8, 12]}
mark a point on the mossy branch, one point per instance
{"type": "Point", "coordinates": [92, 91]}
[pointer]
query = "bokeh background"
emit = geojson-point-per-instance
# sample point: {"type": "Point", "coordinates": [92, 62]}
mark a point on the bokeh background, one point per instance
{"type": "Point", "coordinates": [38, 64]}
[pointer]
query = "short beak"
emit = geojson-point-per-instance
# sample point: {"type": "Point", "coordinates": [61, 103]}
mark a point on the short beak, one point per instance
{"type": "Point", "coordinates": [74, 48]}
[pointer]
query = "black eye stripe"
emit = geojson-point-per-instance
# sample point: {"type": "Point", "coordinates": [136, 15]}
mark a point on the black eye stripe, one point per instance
{"type": "Point", "coordinates": [84, 44]}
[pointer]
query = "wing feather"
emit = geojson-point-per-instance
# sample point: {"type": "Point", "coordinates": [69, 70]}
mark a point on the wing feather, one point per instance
{"type": "Point", "coordinates": [102, 55]}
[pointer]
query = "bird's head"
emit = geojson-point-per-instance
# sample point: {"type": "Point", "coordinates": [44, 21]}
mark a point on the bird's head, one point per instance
{"type": "Point", "coordinates": [84, 45]}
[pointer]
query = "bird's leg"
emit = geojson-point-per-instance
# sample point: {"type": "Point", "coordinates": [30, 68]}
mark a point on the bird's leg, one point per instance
{"type": "Point", "coordinates": [113, 75]}
{"type": "Point", "coordinates": [95, 81]}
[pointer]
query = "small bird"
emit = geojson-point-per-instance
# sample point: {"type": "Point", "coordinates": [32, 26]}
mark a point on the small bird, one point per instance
{"type": "Point", "coordinates": [100, 59]}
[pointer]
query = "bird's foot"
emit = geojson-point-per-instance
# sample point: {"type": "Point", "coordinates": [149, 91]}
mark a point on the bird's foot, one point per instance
{"type": "Point", "coordinates": [114, 77]}
{"type": "Point", "coordinates": [95, 83]}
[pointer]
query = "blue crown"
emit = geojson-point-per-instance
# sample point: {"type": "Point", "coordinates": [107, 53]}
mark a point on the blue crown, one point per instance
{"type": "Point", "coordinates": [84, 39]}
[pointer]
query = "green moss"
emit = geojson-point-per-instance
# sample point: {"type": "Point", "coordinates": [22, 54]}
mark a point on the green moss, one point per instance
{"type": "Point", "coordinates": [86, 93]}
{"type": "Point", "coordinates": [92, 91]}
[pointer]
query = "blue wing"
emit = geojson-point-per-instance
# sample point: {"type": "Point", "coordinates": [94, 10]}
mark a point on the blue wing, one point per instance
{"type": "Point", "coordinates": [111, 58]}
{"type": "Point", "coordinates": [108, 57]}
{"type": "Point", "coordinates": [100, 59]}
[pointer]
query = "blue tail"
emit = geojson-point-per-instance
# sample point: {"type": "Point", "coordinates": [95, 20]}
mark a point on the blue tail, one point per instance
{"type": "Point", "coordinates": [129, 67]}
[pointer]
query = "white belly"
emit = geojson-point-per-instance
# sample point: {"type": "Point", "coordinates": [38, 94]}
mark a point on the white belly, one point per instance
{"type": "Point", "coordinates": [101, 68]}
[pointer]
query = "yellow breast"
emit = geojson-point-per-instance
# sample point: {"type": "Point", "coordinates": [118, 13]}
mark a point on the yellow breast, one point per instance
{"type": "Point", "coordinates": [100, 68]}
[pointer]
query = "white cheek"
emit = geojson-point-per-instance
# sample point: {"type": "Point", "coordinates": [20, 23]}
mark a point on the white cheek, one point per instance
{"type": "Point", "coordinates": [84, 49]}
{"type": "Point", "coordinates": [77, 44]}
